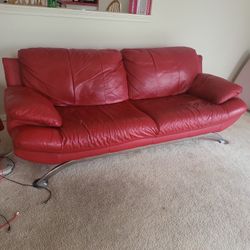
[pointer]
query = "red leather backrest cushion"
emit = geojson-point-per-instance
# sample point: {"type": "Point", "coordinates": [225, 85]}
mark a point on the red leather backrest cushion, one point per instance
{"type": "Point", "coordinates": [75, 77]}
{"type": "Point", "coordinates": [99, 76]}
{"type": "Point", "coordinates": [49, 72]}
{"type": "Point", "coordinates": [161, 71]}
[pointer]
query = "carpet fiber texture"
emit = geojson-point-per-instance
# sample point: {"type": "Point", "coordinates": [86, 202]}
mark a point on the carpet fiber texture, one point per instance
{"type": "Point", "coordinates": [193, 194]}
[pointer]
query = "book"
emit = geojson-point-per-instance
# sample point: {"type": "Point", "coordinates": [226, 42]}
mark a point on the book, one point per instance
{"type": "Point", "coordinates": [140, 7]}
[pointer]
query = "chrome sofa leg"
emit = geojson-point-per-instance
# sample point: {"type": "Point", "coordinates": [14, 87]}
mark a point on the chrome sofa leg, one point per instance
{"type": "Point", "coordinates": [6, 164]}
{"type": "Point", "coordinates": [215, 137]}
{"type": "Point", "coordinates": [43, 181]}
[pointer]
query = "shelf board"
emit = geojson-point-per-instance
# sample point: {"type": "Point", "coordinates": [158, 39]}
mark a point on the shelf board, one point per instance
{"type": "Point", "coordinates": [9, 9]}
{"type": "Point", "coordinates": [79, 3]}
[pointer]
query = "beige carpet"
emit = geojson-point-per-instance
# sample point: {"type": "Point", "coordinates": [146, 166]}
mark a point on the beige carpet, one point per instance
{"type": "Point", "coordinates": [189, 195]}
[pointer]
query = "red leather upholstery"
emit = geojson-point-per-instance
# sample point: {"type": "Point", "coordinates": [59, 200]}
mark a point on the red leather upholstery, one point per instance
{"type": "Point", "coordinates": [12, 71]}
{"type": "Point", "coordinates": [85, 77]}
{"type": "Point", "coordinates": [48, 71]}
{"type": "Point", "coordinates": [87, 131]}
{"type": "Point", "coordinates": [55, 158]}
{"type": "Point", "coordinates": [99, 77]}
{"type": "Point", "coordinates": [88, 128]}
{"type": "Point", "coordinates": [181, 113]}
{"type": "Point", "coordinates": [92, 115]}
{"type": "Point", "coordinates": [214, 89]}
{"type": "Point", "coordinates": [160, 72]}
{"type": "Point", "coordinates": [25, 106]}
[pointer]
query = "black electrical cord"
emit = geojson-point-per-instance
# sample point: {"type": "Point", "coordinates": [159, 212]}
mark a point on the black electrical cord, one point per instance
{"type": "Point", "coordinates": [30, 185]}
{"type": "Point", "coordinates": [7, 222]}
{"type": "Point", "coordinates": [24, 184]}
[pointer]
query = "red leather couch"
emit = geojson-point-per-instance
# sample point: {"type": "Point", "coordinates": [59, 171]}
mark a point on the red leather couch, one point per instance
{"type": "Point", "coordinates": [65, 104]}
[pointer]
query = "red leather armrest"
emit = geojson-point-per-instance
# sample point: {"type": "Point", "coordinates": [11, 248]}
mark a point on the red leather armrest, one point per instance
{"type": "Point", "coordinates": [30, 107]}
{"type": "Point", "coordinates": [214, 89]}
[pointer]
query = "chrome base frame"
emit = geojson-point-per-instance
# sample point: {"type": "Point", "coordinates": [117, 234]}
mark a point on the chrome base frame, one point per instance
{"type": "Point", "coordinates": [44, 180]}
{"type": "Point", "coordinates": [6, 164]}
{"type": "Point", "coordinates": [214, 137]}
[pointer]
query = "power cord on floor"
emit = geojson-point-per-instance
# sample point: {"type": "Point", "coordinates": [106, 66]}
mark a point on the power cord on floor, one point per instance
{"type": "Point", "coordinates": [24, 185]}
{"type": "Point", "coordinates": [30, 185]}
{"type": "Point", "coordinates": [6, 223]}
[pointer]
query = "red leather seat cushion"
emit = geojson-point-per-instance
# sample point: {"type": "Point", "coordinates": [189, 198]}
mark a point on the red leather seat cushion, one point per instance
{"type": "Point", "coordinates": [75, 77]}
{"type": "Point", "coordinates": [181, 113]}
{"type": "Point", "coordinates": [88, 128]}
{"type": "Point", "coordinates": [160, 72]}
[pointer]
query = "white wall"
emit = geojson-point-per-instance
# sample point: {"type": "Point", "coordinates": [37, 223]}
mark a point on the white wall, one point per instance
{"type": "Point", "coordinates": [216, 29]}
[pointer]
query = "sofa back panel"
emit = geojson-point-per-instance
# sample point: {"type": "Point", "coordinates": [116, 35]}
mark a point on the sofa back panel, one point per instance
{"type": "Point", "coordinates": [48, 71]}
{"type": "Point", "coordinates": [12, 71]}
{"type": "Point", "coordinates": [161, 71]}
{"type": "Point", "coordinates": [99, 77]}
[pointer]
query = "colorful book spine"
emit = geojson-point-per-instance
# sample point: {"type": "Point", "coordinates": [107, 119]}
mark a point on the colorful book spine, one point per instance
{"type": "Point", "coordinates": [149, 6]}
{"type": "Point", "coordinates": [141, 7]}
